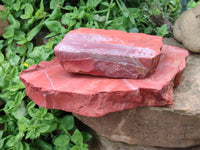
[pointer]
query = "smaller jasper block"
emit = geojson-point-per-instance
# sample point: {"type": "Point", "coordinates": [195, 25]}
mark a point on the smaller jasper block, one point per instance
{"type": "Point", "coordinates": [110, 53]}
{"type": "Point", "coordinates": [50, 86]}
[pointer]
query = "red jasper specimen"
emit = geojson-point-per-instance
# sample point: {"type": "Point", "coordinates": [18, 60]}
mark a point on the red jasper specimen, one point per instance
{"type": "Point", "coordinates": [109, 53]}
{"type": "Point", "coordinates": [50, 86]}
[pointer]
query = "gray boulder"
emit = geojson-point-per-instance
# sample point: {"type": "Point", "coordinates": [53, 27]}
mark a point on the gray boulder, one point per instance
{"type": "Point", "coordinates": [187, 29]}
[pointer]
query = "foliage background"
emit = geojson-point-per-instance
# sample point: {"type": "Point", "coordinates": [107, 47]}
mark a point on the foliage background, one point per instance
{"type": "Point", "coordinates": [36, 26]}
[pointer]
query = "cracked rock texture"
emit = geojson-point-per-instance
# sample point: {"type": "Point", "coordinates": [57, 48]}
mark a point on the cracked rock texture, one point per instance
{"type": "Point", "coordinates": [109, 53]}
{"type": "Point", "coordinates": [99, 142]}
{"type": "Point", "coordinates": [175, 126]}
{"type": "Point", "coordinates": [50, 86]}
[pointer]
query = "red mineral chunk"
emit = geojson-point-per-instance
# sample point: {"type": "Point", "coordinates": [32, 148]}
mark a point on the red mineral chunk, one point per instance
{"type": "Point", "coordinates": [50, 86]}
{"type": "Point", "coordinates": [110, 53]}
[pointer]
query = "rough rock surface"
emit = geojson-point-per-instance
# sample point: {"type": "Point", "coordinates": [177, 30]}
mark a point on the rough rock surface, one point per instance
{"type": "Point", "coordinates": [49, 86]}
{"type": "Point", "coordinates": [99, 142]}
{"type": "Point", "coordinates": [110, 53]}
{"type": "Point", "coordinates": [3, 24]}
{"type": "Point", "coordinates": [175, 126]}
{"type": "Point", "coordinates": [187, 29]}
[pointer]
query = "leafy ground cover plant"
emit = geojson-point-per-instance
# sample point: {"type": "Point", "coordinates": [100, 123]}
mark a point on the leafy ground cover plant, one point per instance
{"type": "Point", "coordinates": [23, 125]}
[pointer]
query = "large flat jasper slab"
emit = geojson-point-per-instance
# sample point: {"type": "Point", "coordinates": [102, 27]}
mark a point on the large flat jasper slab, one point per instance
{"type": "Point", "coordinates": [50, 86]}
{"type": "Point", "coordinates": [110, 53]}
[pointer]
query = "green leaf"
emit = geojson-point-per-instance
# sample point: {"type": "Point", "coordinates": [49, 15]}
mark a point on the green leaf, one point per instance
{"type": "Point", "coordinates": [48, 116]}
{"type": "Point", "coordinates": [123, 8]}
{"type": "Point", "coordinates": [105, 4]}
{"type": "Point", "coordinates": [1, 44]}
{"type": "Point", "coordinates": [31, 34]}
{"type": "Point", "coordinates": [19, 146]}
{"type": "Point", "coordinates": [3, 119]}
{"type": "Point", "coordinates": [37, 113]}
{"type": "Point", "coordinates": [62, 140]}
{"type": "Point", "coordinates": [5, 95]}
{"type": "Point", "coordinates": [1, 57]}
{"type": "Point", "coordinates": [28, 11]}
{"type": "Point", "coordinates": [52, 127]}
{"type": "Point", "coordinates": [82, 3]}
{"type": "Point", "coordinates": [20, 135]}
{"type": "Point", "coordinates": [28, 134]}
{"type": "Point", "coordinates": [99, 18]}
{"type": "Point", "coordinates": [2, 143]}
{"type": "Point", "coordinates": [92, 3]}
{"type": "Point", "coordinates": [30, 62]}
{"type": "Point", "coordinates": [14, 60]}
{"type": "Point", "coordinates": [14, 72]}
{"type": "Point", "coordinates": [134, 30]}
{"type": "Point", "coordinates": [1, 71]}
{"type": "Point", "coordinates": [8, 2]}
{"type": "Point", "coordinates": [9, 32]}
{"type": "Point", "coordinates": [81, 14]}
{"type": "Point", "coordinates": [20, 50]}
{"type": "Point", "coordinates": [78, 25]}
{"type": "Point", "coordinates": [26, 146]}
{"type": "Point", "coordinates": [34, 112]}
{"type": "Point", "coordinates": [29, 46]}
{"type": "Point", "coordinates": [55, 14]}
{"type": "Point", "coordinates": [19, 36]}
{"type": "Point", "coordinates": [76, 147]}
{"type": "Point", "coordinates": [51, 35]}
{"type": "Point", "coordinates": [10, 40]}
{"type": "Point", "coordinates": [1, 134]}
{"type": "Point", "coordinates": [40, 12]}
{"type": "Point", "coordinates": [13, 88]}
{"type": "Point", "coordinates": [42, 5]}
{"type": "Point", "coordinates": [68, 7]}
{"type": "Point", "coordinates": [39, 54]}
{"type": "Point", "coordinates": [162, 31]}
{"type": "Point", "coordinates": [42, 128]}
{"type": "Point", "coordinates": [77, 138]}
{"type": "Point", "coordinates": [53, 4]}
{"type": "Point", "coordinates": [44, 145]}
{"type": "Point", "coordinates": [29, 24]}
{"type": "Point", "coordinates": [60, 2]}
{"type": "Point", "coordinates": [54, 26]}
{"type": "Point", "coordinates": [21, 111]}
{"type": "Point", "coordinates": [43, 111]}
{"type": "Point", "coordinates": [148, 30]}
{"type": "Point", "coordinates": [16, 5]}
{"type": "Point", "coordinates": [30, 105]}
{"type": "Point", "coordinates": [132, 19]}
{"type": "Point", "coordinates": [134, 12]}
{"type": "Point", "coordinates": [86, 136]}
{"type": "Point", "coordinates": [68, 19]}
{"type": "Point", "coordinates": [67, 122]}
{"type": "Point", "coordinates": [66, 147]}
{"type": "Point", "coordinates": [15, 23]}
{"type": "Point", "coordinates": [10, 142]}
{"type": "Point", "coordinates": [23, 123]}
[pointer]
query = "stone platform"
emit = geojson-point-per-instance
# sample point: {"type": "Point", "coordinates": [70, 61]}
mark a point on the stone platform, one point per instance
{"type": "Point", "coordinates": [175, 126]}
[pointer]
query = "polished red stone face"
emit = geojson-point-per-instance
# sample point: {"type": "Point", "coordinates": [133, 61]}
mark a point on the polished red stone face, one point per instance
{"type": "Point", "coordinates": [50, 86]}
{"type": "Point", "coordinates": [109, 53]}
